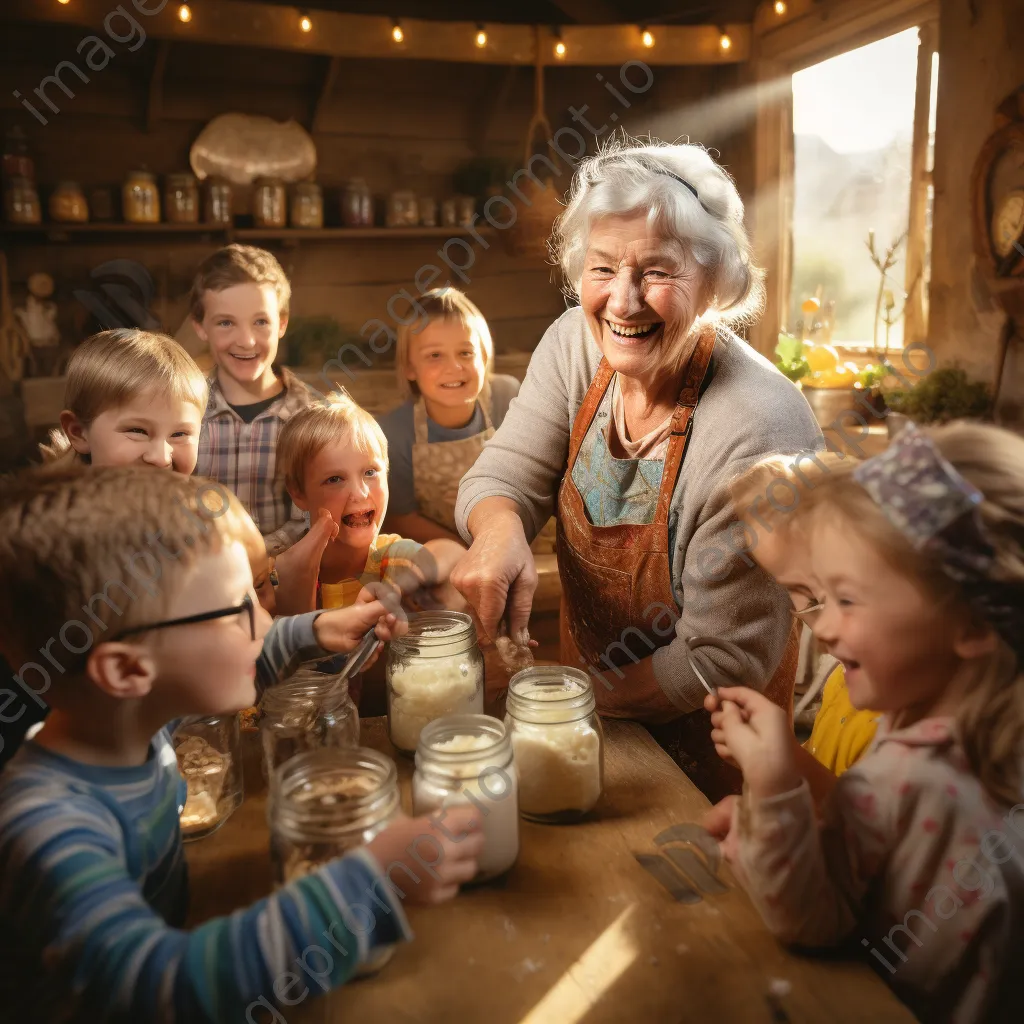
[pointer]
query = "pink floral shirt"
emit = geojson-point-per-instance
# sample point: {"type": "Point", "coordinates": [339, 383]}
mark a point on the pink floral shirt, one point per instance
{"type": "Point", "coordinates": [913, 863]}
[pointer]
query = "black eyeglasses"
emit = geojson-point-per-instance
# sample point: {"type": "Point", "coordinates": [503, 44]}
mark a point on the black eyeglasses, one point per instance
{"type": "Point", "coordinates": [221, 613]}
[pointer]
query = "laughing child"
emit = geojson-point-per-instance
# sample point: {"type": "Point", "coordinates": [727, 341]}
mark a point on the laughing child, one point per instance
{"type": "Point", "coordinates": [334, 457]}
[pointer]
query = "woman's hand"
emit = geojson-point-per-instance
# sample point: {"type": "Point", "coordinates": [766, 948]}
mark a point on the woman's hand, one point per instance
{"type": "Point", "coordinates": [750, 731]}
{"type": "Point", "coordinates": [498, 576]}
{"type": "Point", "coordinates": [298, 567]}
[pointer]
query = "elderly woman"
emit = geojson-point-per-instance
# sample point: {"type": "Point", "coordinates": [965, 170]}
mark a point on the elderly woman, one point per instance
{"type": "Point", "coordinates": [638, 407]}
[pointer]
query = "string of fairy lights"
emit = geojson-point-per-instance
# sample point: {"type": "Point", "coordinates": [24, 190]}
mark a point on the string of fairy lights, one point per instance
{"type": "Point", "coordinates": [648, 38]}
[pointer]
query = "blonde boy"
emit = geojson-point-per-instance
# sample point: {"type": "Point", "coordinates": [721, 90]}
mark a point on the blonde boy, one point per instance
{"type": "Point", "coordinates": [137, 586]}
{"type": "Point", "coordinates": [334, 459]}
{"type": "Point", "coordinates": [239, 307]}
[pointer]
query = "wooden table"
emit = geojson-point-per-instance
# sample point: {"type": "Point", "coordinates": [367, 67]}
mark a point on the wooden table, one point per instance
{"type": "Point", "coordinates": [577, 931]}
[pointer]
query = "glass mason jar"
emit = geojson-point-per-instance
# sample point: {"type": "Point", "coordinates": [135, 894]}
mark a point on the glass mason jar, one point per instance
{"type": "Point", "coordinates": [21, 202]}
{"type": "Point", "coordinates": [217, 208]}
{"type": "Point", "coordinates": [68, 204]}
{"type": "Point", "coordinates": [466, 206]}
{"type": "Point", "coordinates": [428, 212]}
{"type": "Point", "coordinates": [556, 734]}
{"type": "Point", "coordinates": [467, 759]}
{"type": "Point", "coordinates": [181, 199]}
{"type": "Point", "coordinates": [324, 803]}
{"type": "Point", "coordinates": [140, 200]}
{"type": "Point", "coordinates": [311, 710]}
{"type": "Point", "coordinates": [268, 203]}
{"type": "Point", "coordinates": [209, 757]}
{"type": "Point", "coordinates": [357, 205]}
{"type": "Point", "coordinates": [403, 210]}
{"type": "Point", "coordinates": [449, 213]}
{"type": "Point", "coordinates": [436, 669]}
{"type": "Point", "coordinates": [307, 205]}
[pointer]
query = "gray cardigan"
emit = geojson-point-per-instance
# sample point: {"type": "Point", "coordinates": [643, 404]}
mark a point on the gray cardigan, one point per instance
{"type": "Point", "coordinates": [749, 410]}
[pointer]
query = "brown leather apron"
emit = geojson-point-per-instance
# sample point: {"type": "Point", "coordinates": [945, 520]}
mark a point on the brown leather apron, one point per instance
{"type": "Point", "coordinates": [611, 575]}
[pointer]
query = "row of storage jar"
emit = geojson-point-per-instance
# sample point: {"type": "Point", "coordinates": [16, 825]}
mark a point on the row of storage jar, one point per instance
{"type": "Point", "coordinates": [327, 795]}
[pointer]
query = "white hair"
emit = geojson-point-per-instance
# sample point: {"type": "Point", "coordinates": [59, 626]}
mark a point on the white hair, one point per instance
{"type": "Point", "coordinates": [703, 212]}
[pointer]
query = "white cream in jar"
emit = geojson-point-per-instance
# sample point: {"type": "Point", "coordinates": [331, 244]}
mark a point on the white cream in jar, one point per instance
{"type": "Point", "coordinates": [467, 760]}
{"type": "Point", "coordinates": [557, 741]}
{"type": "Point", "coordinates": [436, 669]}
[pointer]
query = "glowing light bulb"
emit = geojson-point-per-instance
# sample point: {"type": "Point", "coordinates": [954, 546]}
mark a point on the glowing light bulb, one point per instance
{"type": "Point", "coordinates": [63, 1]}
{"type": "Point", "coordinates": [481, 38]}
{"type": "Point", "coordinates": [305, 24]}
{"type": "Point", "coordinates": [725, 42]}
{"type": "Point", "coordinates": [780, 7]}
{"type": "Point", "coordinates": [647, 38]}
{"type": "Point", "coordinates": [396, 33]}
{"type": "Point", "coordinates": [185, 13]}
{"type": "Point", "coordinates": [560, 49]}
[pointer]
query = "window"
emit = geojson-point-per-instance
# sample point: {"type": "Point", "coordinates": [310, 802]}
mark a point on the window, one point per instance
{"type": "Point", "coordinates": [855, 177]}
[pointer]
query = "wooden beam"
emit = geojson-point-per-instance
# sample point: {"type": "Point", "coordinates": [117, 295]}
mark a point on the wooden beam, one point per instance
{"type": "Point", "coordinates": [155, 98]}
{"type": "Point", "coordinates": [915, 320]}
{"type": "Point", "coordinates": [248, 23]}
{"type": "Point", "coordinates": [488, 108]}
{"type": "Point", "coordinates": [592, 11]}
{"type": "Point", "coordinates": [330, 76]}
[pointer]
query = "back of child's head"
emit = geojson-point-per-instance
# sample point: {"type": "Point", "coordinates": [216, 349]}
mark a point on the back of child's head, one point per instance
{"type": "Point", "coordinates": [338, 419]}
{"type": "Point", "coordinates": [440, 304]}
{"type": "Point", "coordinates": [238, 264]}
{"type": "Point", "coordinates": [115, 367]}
{"type": "Point", "coordinates": [977, 561]}
{"type": "Point", "coordinates": [87, 552]}
{"type": "Point", "coordinates": [772, 491]}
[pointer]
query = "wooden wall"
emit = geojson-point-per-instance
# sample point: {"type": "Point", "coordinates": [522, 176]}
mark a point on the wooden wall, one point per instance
{"type": "Point", "coordinates": [981, 61]}
{"type": "Point", "coordinates": [395, 123]}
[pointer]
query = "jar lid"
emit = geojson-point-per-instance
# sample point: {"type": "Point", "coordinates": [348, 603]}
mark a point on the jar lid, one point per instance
{"type": "Point", "coordinates": [142, 175]}
{"type": "Point", "coordinates": [69, 185]}
{"type": "Point", "coordinates": [550, 693]}
{"type": "Point", "coordinates": [308, 186]}
{"type": "Point", "coordinates": [432, 634]}
{"type": "Point", "coordinates": [275, 182]}
{"type": "Point", "coordinates": [182, 178]}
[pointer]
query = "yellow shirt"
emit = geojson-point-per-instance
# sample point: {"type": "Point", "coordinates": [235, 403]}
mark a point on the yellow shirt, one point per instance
{"type": "Point", "coordinates": [388, 555]}
{"type": "Point", "coordinates": [841, 733]}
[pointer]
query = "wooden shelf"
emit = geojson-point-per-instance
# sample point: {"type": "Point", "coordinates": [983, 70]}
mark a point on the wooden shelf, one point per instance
{"type": "Point", "coordinates": [88, 232]}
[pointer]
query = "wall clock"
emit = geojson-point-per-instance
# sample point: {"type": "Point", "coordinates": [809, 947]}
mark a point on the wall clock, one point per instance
{"type": "Point", "coordinates": [997, 202]}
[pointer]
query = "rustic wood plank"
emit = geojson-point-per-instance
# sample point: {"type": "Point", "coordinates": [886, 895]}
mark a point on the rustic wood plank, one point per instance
{"type": "Point", "coordinates": [323, 98]}
{"type": "Point", "coordinates": [154, 100]}
{"type": "Point", "coordinates": [576, 930]}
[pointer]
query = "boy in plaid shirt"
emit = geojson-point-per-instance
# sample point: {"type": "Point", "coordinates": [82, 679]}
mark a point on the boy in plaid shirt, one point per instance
{"type": "Point", "coordinates": [239, 307]}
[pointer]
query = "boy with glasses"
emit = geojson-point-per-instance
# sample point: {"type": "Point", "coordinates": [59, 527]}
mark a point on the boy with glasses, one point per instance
{"type": "Point", "coordinates": [94, 884]}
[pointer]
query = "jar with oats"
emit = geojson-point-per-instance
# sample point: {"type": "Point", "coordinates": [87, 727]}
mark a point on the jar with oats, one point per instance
{"type": "Point", "coordinates": [268, 203]}
{"type": "Point", "coordinates": [552, 719]}
{"type": "Point", "coordinates": [307, 205]}
{"type": "Point", "coordinates": [68, 204]}
{"type": "Point", "coordinates": [310, 710]}
{"type": "Point", "coordinates": [181, 199]}
{"type": "Point", "coordinates": [209, 759]}
{"type": "Point", "coordinates": [325, 803]}
{"type": "Point", "coordinates": [140, 199]}
{"type": "Point", "coordinates": [435, 669]}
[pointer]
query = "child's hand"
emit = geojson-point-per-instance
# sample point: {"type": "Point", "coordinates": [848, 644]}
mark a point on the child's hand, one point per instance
{"type": "Point", "coordinates": [757, 734]}
{"type": "Point", "coordinates": [298, 567]}
{"type": "Point", "coordinates": [718, 821]}
{"type": "Point", "coordinates": [431, 856]}
{"type": "Point", "coordinates": [341, 629]}
{"type": "Point", "coordinates": [714, 705]}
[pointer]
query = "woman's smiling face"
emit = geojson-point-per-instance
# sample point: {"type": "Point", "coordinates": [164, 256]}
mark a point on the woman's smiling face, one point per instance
{"type": "Point", "coordinates": [641, 294]}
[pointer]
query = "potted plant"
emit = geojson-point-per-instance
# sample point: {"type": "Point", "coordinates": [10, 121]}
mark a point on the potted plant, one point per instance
{"type": "Point", "coordinates": [945, 394]}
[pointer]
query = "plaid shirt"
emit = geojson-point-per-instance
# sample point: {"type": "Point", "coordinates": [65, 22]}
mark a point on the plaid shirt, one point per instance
{"type": "Point", "coordinates": [242, 456]}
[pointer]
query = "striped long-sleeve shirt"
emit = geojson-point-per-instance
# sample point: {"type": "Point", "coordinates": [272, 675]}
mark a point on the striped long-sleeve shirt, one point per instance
{"type": "Point", "coordinates": [93, 892]}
